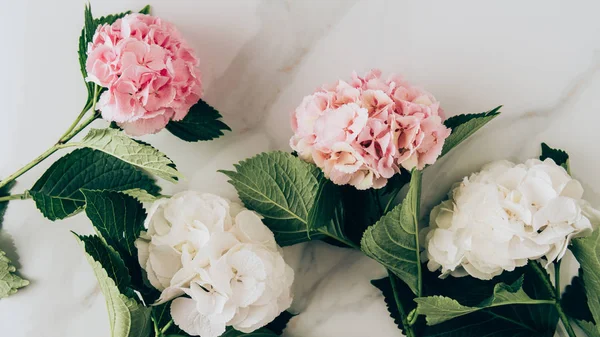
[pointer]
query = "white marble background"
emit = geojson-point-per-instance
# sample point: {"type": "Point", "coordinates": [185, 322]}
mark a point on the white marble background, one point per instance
{"type": "Point", "coordinates": [541, 59]}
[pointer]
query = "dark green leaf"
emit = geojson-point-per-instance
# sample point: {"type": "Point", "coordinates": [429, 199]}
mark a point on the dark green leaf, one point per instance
{"type": "Point", "coordinates": [394, 293]}
{"type": "Point", "coordinates": [162, 316]}
{"type": "Point", "coordinates": [280, 322]}
{"type": "Point", "coordinates": [57, 193]}
{"type": "Point", "coordinates": [119, 219]}
{"type": "Point", "coordinates": [560, 157]}
{"type": "Point", "coordinates": [463, 126]}
{"type": "Point", "coordinates": [513, 320]}
{"type": "Point", "coordinates": [359, 211]}
{"type": "Point", "coordinates": [439, 309]}
{"type": "Point", "coordinates": [231, 332]}
{"type": "Point", "coordinates": [587, 252]}
{"type": "Point", "coordinates": [109, 259]}
{"type": "Point", "coordinates": [201, 123]}
{"type": "Point", "coordinates": [393, 241]}
{"type": "Point", "coordinates": [145, 10]}
{"type": "Point", "coordinates": [574, 300]}
{"type": "Point", "coordinates": [327, 204]}
{"type": "Point", "coordinates": [5, 191]}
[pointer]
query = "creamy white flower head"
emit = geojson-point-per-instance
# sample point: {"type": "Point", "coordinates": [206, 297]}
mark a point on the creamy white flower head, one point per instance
{"type": "Point", "coordinates": [222, 257]}
{"type": "Point", "coordinates": [506, 214]}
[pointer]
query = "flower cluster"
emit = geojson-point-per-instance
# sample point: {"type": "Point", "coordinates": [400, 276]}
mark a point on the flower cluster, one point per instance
{"type": "Point", "coordinates": [150, 72]}
{"type": "Point", "coordinates": [361, 132]}
{"type": "Point", "coordinates": [220, 255]}
{"type": "Point", "coordinates": [505, 215]}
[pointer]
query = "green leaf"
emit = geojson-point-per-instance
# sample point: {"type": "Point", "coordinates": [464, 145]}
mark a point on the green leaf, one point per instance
{"type": "Point", "coordinates": [9, 281]}
{"type": "Point", "coordinates": [127, 317]}
{"type": "Point", "coordinates": [359, 211]}
{"type": "Point", "coordinates": [398, 298]}
{"type": "Point", "coordinates": [280, 323]}
{"type": "Point", "coordinates": [201, 123]}
{"type": "Point", "coordinates": [281, 188]}
{"type": "Point", "coordinates": [574, 301]}
{"type": "Point", "coordinates": [142, 195]}
{"type": "Point", "coordinates": [264, 332]}
{"type": "Point", "coordinates": [512, 320]}
{"type": "Point", "coordinates": [439, 309]}
{"type": "Point", "coordinates": [589, 328]}
{"type": "Point", "coordinates": [587, 252]}
{"type": "Point", "coordinates": [5, 191]}
{"type": "Point", "coordinates": [394, 240]}
{"type": "Point", "coordinates": [57, 193]}
{"type": "Point", "coordinates": [560, 157]}
{"type": "Point", "coordinates": [327, 200]}
{"type": "Point", "coordinates": [87, 34]}
{"type": "Point", "coordinates": [109, 259]}
{"type": "Point", "coordinates": [116, 143]}
{"type": "Point", "coordinates": [463, 126]}
{"type": "Point", "coordinates": [145, 10]}
{"type": "Point", "coordinates": [119, 219]}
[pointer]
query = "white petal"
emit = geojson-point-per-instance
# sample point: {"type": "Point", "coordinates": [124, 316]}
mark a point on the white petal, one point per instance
{"type": "Point", "coordinates": [188, 319]}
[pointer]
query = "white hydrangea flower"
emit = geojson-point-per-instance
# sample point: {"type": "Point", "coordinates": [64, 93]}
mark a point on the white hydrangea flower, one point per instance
{"type": "Point", "coordinates": [503, 216]}
{"type": "Point", "coordinates": [222, 257]}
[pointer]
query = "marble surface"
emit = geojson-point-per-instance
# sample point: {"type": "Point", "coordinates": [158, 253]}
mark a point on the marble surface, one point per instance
{"type": "Point", "coordinates": [541, 59]}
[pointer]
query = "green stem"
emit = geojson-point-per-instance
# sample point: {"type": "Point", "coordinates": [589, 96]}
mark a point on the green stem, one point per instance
{"type": "Point", "coordinates": [166, 327]}
{"type": "Point", "coordinates": [557, 278]}
{"type": "Point", "coordinates": [406, 322]}
{"type": "Point", "coordinates": [72, 132]}
{"type": "Point", "coordinates": [15, 197]}
{"type": "Point", "coordinates": [29, 166]}
{"type": "Point", "coordinates": [157, 332]}
{"type": "Point", "coordinates": [543, 275]}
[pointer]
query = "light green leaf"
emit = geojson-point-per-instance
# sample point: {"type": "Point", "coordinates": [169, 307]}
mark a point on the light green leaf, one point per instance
{"type": "Point", "coordinates": [560, 157]}
{"type": "Point", "coordinates": [589, 328]}
{"type": "Point", "coordinates": [5, 191]}
{"type": "Point", "coordinates": [463, 126]}
{"type": "Point", "coordinates": [143, 195]}
{"type": "Point", "coordinates": [587, 252]}
{"type": "Point", "coordinates": [9, 281]}
{"type": "Point", "coordinates": [57, 193]}
{"type": "Point", "coordinates": [439, 309]}
{"type": "Point", "coordinates": [127, 317]}
{"type": "Point", "coordinates": [116, 143]}
{"type": "Point", "coordinates": [201, 123]}
{"type": "Point", "coordinates": [231, 332]}
{"type": "Point", "coordinates": [281, 188]}
{"type": "Point", "coordinates": [394, 240]}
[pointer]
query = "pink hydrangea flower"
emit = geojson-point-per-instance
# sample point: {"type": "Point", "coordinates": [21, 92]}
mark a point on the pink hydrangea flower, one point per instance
{"type": "Point", "coordinates": [151, 73]}
{"type": "Point", "coordinates": [362, 131]}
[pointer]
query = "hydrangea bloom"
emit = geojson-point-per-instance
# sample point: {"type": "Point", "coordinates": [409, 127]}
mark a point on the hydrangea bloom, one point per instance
{"type": "Point", "coordinates": [151, 73]}
{"type": "Point", "coordinates": [221, 256]}
{"type": "Point", "coordinates": [361, 132]}
{"type": "Point", "coordinates": [505, 215]}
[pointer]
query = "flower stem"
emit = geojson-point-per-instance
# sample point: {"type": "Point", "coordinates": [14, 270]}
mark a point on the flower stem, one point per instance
{"type": "Point", "coordinates": [22, 196]}
{"type": "Point", "coordinates": [166, 327]}
{"type": "Point", "coordinates": [408, 320]}
{"type": "Point", "coordinates": [557, 278]}
{"type": "Point", "coordinates": [555, 293]}
{"type": "Point", "coordinates": [71, 132]}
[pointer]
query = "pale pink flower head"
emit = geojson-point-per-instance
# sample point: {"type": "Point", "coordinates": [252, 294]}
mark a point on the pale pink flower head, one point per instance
{"type": "Point", "coordinates": [363, 131]}
{"type": "Point", "coordinates": [150, 72]}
